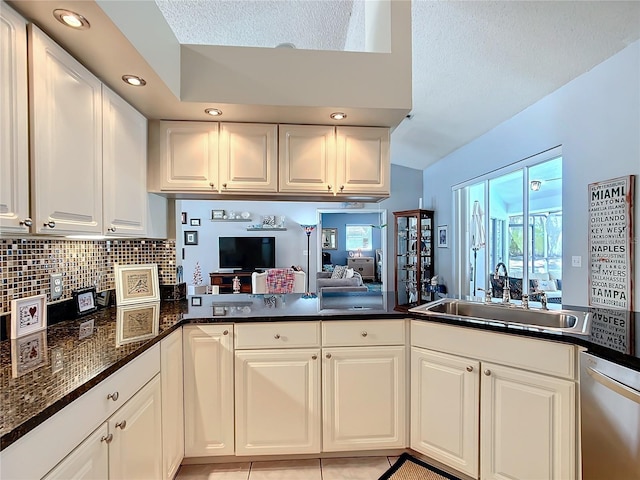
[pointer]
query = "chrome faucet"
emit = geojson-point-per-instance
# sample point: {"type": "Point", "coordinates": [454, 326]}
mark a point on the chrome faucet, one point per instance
{"type": "Point", "coordinates": [506, 293]}
{"type": "Point", "coordinates": [543, 301]}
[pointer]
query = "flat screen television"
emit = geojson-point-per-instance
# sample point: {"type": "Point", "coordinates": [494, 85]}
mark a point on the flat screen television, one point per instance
{"type": "Point", "coordinates": [247, 253]}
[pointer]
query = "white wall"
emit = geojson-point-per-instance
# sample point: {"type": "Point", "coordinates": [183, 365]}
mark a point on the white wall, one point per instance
{"type": "Point", "coordinates": [596, 119]}
{"type": "Point", "coordinates": [406, 188]}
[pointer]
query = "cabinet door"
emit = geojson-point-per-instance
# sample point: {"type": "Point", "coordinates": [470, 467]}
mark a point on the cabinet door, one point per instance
{"type": "Point", "coordinates": [89, 461]}
{"type": "Point", "coordinates": [445, 404]}
{"type": "Point", "coordinates": [172, 404]}
{"type": "Point", "coordinates": [363, 398]}
{"type": "Point", "coordinates": [363, 164]}
{"type": "Point", "coordinates": [277, 401]}
{"type": "Point", "coordinates": [189, 156]}
{"type": "Point", "coordinates": [527, 425]}
{"type": "Point", "coordinates": [14, 127]}
{"type": "Point", "coordinates": [124, 167]}
{"type": "Point", "coordinates": [66, 140]}
{"type": "Point", "coordinates": [307, 159]}
{"type": "Point", "coordinates": [136, 449]}
{"type": "Point", "coordinates": [208, 390]}
{"type": "Point", "coordinates": [248, 157]}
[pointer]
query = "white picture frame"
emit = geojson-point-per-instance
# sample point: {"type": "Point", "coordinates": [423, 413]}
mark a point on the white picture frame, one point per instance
{"type": "Point", "coordinates": [443, 236]}
{"type": "Point", "coordinates": [135, 323]}
{"type": "Point", "coordinates": [28, 315]}
{"type": "Point", "coordinates": [136, 283]}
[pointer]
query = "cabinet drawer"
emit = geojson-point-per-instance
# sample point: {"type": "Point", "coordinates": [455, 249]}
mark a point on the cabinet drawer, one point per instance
{"type": "Point", "coordinates": [363, 332]}
{"type": "Point", "coordinates": [77, 420]}
{"type": "Point", "coordinates": [277, 335]}
{"type": "Point", "coordinates": [546, 357]}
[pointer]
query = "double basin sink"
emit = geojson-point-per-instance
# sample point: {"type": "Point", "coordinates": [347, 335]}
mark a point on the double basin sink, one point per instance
{"type": "Point", "coordinates": [565, 321]}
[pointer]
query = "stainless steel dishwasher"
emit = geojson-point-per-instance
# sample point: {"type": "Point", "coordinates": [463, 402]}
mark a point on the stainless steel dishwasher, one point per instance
{"type": "Point", "coordinates": [610, 411]}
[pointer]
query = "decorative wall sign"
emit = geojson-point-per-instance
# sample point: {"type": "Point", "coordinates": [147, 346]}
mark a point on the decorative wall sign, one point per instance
{"type": "Point", "coordinates": [28, 315]}
{"type": "Point", "coordinates": [611, 243]}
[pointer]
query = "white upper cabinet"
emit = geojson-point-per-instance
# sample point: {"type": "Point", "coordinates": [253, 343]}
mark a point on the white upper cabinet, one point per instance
{"type": "Point", "coordinates": [124, 167]}
{"type": "Point", "coordinates": [307, 158]}
{"type": "Point", "coordinates": [14, 128]}
{"type": "Point", "coordinates": [363, 160]}
{"type": "Point", "coordinates": [248, 157]}
{"type": "Point", "coordinates": [66, 140]}
{"type": "Point", "coordinates": [189, 156]}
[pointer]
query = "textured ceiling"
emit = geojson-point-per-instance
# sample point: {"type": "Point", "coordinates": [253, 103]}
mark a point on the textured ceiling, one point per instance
{"type": "Point", "coordinates": [475, 63]}
{"type": "Point", "coordinates": [308, 24]}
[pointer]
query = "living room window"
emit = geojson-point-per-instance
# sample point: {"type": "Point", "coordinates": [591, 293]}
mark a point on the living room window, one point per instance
{"type": "Point", "coordinates": [359, 237]}
{"type": "Point", "coordinates": [491, 213]}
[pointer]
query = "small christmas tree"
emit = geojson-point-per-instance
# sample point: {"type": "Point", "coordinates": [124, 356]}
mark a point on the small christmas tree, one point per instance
{"type": "Point", "coordinates": [197, 274]}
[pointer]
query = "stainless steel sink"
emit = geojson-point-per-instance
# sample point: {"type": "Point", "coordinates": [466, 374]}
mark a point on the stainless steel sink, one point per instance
{"type": "Point", "coordinates": [514, 316]}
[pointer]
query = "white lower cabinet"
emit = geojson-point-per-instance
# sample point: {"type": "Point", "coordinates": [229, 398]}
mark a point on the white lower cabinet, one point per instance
{"type": "Point", "coordinates": [445, 401]}
{"type": "Point", "coordinates": [277, 401]}
{"type": "Point", "coordinates": [363, 398]}
{"type": "Point", "coordinates": [208, 390]}
{"type": "Point", "coordinates": [127, 446]}
{"type": "Point", "coordinates": [171, 377]}
{"type": "Point", "coordinates": [89, 461]}
{"type": "Point", "coordinates": [492, 420]}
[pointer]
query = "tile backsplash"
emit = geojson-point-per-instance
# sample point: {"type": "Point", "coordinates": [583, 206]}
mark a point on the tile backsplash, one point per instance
{"type": "Point", "coordinates": [26, 263]}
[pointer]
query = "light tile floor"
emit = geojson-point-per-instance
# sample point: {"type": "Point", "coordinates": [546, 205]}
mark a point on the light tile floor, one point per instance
{"type": "Point", "coordinates": [353, 468]}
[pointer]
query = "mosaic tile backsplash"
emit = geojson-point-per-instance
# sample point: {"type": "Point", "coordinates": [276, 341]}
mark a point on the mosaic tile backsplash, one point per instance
{"type": "Point", "coordinates": [25, 264]}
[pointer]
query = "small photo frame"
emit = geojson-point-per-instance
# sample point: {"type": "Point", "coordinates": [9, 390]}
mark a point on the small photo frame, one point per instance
{"type": "Point", "coordinates": [28, 315]}
{"type": "Point", "coordinates": [268, 221]}
{"type": "Point", "coordinates": [196, 301]}
{"type": "Point", "coordinates": [136, 283]}
{"type": "Point", "coordinates": [184, 218]}
{"type": "Point", "coordinates": [194, 222]}
{"type": "Point", "coordinates": [28, 353]}
{"type": "Point", "coordinates": [135, 323]}
{"type": "Point", "coordinates": [217, 214]}
{"type": "Point", "coordinates": [85, 300]}
{"type": "Point", "coordinates": [443, 236]}
{"type": "Point", "coordinates": [103, 298]}
{"type": "Point", "coordinates": [190, 237]}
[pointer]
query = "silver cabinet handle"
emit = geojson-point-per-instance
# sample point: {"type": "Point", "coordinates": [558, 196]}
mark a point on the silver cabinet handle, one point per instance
{"type": "Point", "coordinates": [469, 368]}
{"type": "Point", "coordinates": [113, 396]}
{"type": "Point", "coordinates": [314, 357]}
{"type": "Point", "coordinates": [27, 222]}
{"type": "Point", "coordinates": [329, 187]}
{"type": "Point", "coordinates": [276, 336]}
{"type": "Point", "coordinates": [50, 224]}
{"type": "Point", "coordinates": [111, 229]}
{"type": "Point", "coordinates": [341, 188]}
{"type": "Point", "coordinates": [107, 438]}
{"type": "Point", "coordinates": [224, 185]}
{"type": "Point", "coordinates": [121, 425]}
{"type": "Point", "coordinates": [487, 372]}
{"type": "Point", "coordinates": [226, 332]}
{"type": "Point", "coordinates": [364, 334]}
{"type": "Point", "coordinates": [328, 355]}
{"type": "Point", "coordinates": [211, 185]}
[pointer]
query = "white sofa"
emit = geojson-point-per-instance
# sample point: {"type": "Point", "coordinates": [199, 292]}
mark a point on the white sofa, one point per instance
{"type": "Point", "coordinates": [259, 282]}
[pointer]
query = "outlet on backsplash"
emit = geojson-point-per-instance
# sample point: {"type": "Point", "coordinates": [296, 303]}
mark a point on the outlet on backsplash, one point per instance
{"type": "Point", "coordinates": [56, 286]}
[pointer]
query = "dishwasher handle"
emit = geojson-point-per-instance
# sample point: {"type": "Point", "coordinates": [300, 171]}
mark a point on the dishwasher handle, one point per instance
{"type": "Point", "coordinates": [614, 385]}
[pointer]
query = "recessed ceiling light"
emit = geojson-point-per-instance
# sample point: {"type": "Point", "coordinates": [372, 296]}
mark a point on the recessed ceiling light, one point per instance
{"type": "Point", "coordinates": [134, 80]}
{"type": "Point", "coordinates": [338, 115]}
{"type": "Point", "coordinates": [71, 19]}
{"type": "Point", "coordinates": [214, 112]}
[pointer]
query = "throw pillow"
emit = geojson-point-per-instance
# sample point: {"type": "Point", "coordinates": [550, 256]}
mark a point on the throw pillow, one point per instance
{"type": "Point", "coordinates": [348, 273]}
{"type": "Point", "coordinates": [547, 285]}
{"type": "Point", "coordinates": [338, 271]}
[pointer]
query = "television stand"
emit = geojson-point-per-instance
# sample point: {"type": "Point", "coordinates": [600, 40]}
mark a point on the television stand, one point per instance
{"type": "Point", "coordinates": [225, 281]}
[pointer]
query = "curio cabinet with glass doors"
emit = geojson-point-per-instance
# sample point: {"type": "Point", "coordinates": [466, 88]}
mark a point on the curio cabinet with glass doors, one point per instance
{"type": "Point", "coordinates": [414, 254]}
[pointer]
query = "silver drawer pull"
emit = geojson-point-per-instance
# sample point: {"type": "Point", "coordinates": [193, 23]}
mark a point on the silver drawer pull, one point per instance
{"type": "Point", "coordinates": [276, 336]}
{"type": "Point", "coordinates": [113, 396]}
{"type": "Point", "coordinates": [121, 425]}
{"type": "Point", "coordinates": [314, 357]}
{"type": "Point", "coordinates": [469, 369]}
{"type": "Point", "coordinates": [487, 372]}
{"type": "Point", "coordinates": [107, 438]}
{"type": "Point", "coordinates": [364, 334]}
{"type": "Point", "coordinates": [328, 355]}
{"type": "Point", "coordinates": [50, 224]}
{"type": "Point", "coordinates": [226, 332]}
{"type": "Point", "coordinates": [27, 222]}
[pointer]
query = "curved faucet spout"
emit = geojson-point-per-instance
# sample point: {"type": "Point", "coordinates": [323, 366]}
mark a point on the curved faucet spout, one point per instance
{"type": "Point", "coordinates": [496, 274]}
{"type": "Point", "coordinates": [506, 293]}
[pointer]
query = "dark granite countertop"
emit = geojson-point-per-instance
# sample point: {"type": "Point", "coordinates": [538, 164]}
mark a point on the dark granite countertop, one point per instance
{"type": "Point", "coordinates": [89, 355]}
